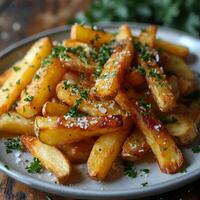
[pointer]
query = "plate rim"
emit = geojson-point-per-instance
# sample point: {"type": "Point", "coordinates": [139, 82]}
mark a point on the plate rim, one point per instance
{"type": "Point", "coordinates": [83, 193]}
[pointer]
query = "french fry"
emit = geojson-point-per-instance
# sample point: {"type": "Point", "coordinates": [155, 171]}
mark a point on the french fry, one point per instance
{"type": "Point", "coordinates": [176, 49]}
{"type": "Point", "coordinates": [183, 129]}
{"type": "Point", "coordinates": [162, 145]}
{"type": "Point", "coordinates": [135, 146]}
{"type": "Point", "coordinates": [124, 33]}
{"type": "Point", "coordinates": [92, 107]}
{"type": "Point", "coordinates": [66, 130]}
{"type": "Point", "coordinates": [78, 152]}
{"type": "Point", "coordinates": [155, 77]}
{"type": "Point", "coordinates": [54, 109]}
{"type": "Point", "coordinates": [111, 77]}
{"type": "Point", "coordinates": [177, 66]}
{"type": "Point", "coordinates": [50, 157]}
{"type": "Point", "coordinates": [5, 75]}
{"type": "Point", "coordinates": [40, 89]}
{"type": "Point", "coordinates": [22, 73]}
{"type": "Point", "coordinates": [135, 78]}
{"type": "Point", "coordinates": [105, 151]}
{"type": "Point", "coordinates": [148, 36]}
{"type": "Point", "coordinates": [12, 124]}
{"type": "Point", "coordinates": [88, 35]}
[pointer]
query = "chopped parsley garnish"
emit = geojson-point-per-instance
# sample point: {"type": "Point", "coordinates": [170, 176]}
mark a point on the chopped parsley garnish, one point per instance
{"type": "Point", "coordinates": [154, 73]}
{"type": "Point", "coordinates": [141, 70]}
{"type": "Point", "coordinates": [196, 149]}
{"type": "Point", "coordinates": [48, 197]}
{"type": "Point", "coordinates": [13, 144]}
{"type": "Point", "coordinates": [184, 170]}
{"type": "Point", "coordinates": [5, 89]}
{"type": "Point", "coordinates": [6, 166]}
{"type": "Point", "coordinates": [146, 171]}
{"type": "Point", "coordinates": [130, 171]}
{"type": "Point", "coordinates": [37, 77]}
{"type": "Point", "coordinates": [67, 84]}
{"type": "Point", "coordinates": [18, 82]}
{"type": "Point", "coordinates": [168, 120]}
{"type": "Point", "coordinates": [73, 112]}
{"type": "Point", "coordinates": [35, 166]}
{"type": "Point", "coordinates": [144, 51]}
{"type": "Point", "coordinates": [145, 107]}
{"type": "Point", "coordinates": [104, 54]}
{"type": "Point", "coordinates": [144, 184]}
{"type": "Point", "coordinates": [16, 69]}
{"type": "Point", "coordinates": [29, 98]}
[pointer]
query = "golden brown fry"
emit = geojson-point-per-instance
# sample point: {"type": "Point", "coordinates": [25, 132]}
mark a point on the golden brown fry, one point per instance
{"type": "Point", "coordinates": [105, 151]}
{"type": "Point", "coordinates": [5, 75]}
{"type": "Point", "coordinates": [88, 35]}
{"type": "Point", "coordinates": [177, 66]}
{"type": "Point", "coordinates": [183, 128]}
{"type": "Point", "coordinates": [148, 36]}
{"type": "Point", "coordinates": [124, 33]}
{"type": "Point", "coordinates": [111, 77]}
{"type": "Point", "coordinates": [92, 107]}
{"type": "Point", "coordinates": [50, 157]}
{"type": "Point", "coordinates": [135, 146]}
{"type": "Point", "coordinates": [40, 89]}
{"type": "Point", "coordinates": [135, 78]}
{"type": "Point", "coordinates": [66, 130]}
{"type": "Point", "coordinates": [12, 124]}
{"type": "Point", "coordinates": [78, 152]}
{"type": "Point", "coordinates": [22, 73]}
{"type": "Point", "coordinates": [176, 49]}
{"type": "Point", "coordinates": [162, 145]}
{"type": "Point", "coordinates": [54, 109]}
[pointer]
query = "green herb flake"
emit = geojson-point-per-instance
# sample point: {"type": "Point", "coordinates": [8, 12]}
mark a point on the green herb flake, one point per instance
{"type": "Point", "coordinates": [66, 84]}
{"type": "Point", "coordinates": [154, 73]}
{"type": "Point", "coordinates": [18, 82]}
{"type": "Point", "coordinates": [16, 69]}
{"type": "Point", "coordinates": [35, 166]}
{"type": "Point", "coordinates": [130, 171]}
{"type": "Point", "coordinates": [48, 197]}
{"type": "Point", "coordinates": [36, 77]}
{"type": "Point", "coordinates": [196, 149]}
{"type": "Point", "coordinates": [144, 184]}
{"type": "Point", "coordinates": [49, 88]}
{"type": "Point", "coordinates": [141, 70]}
{"type": "Point", "coordinates": [84, 94]}
{"type": "Point", "coordinates": [29, 98]}
{"type": "Point", "coordinates": [6, 166]}
{"type": "Point", "coordinates": [146, 171]}
{"type": "Point", "coordinates": [13, 144]}
{"type": "Point", "coordinates": [145, 107]}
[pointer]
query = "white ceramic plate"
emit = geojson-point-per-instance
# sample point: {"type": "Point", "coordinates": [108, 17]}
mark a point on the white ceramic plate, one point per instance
{"type": "Point", "coordinates": [117, 186]}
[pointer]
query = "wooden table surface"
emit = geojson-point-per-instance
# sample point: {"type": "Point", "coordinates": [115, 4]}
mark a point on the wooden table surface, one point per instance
{"type": "Point", "coordinates": [21, 18]}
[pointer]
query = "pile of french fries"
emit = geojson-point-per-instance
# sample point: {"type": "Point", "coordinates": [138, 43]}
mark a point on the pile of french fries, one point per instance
{"type": "Point", "coordinates": [69, 108]}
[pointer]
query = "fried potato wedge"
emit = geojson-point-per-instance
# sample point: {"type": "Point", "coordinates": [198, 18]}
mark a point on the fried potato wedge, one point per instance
{"type": "Point", "coordinates": [50, 157]}
{"type": "Point", "coordinates": [22, 73]}
{"type": "Point", "coordinates": [148, 36]}
{"type": "Point", "coordinates": [78, 152]}
{"type": "Point", "coordinates": [124, 33]}
{"type": "Point", "coordinates": [105, 151]}
{"type": "Point", "coordinates": [40, 89]}
{"type": "Point", "coordinates": [134, 78]}
{"type": "Point", "coordinates": [54, 109]}
{"type": "Point", "coordinates": [66, 130]}
{"type": "Point", "coordinates": [12, 123]}
{"type": "Point", "coordinates": [88, 35]}
{"type": "Point", "coordinates": [176, 49]}
{"type": "Point", "coordinates": [92, 107]}
{"type": "Point", "coordinates": [5, 75]}
{"type": "Point", "coordinates": [177, 66]}
{"type": "Point", "coordinates": [157, 136]}
{"type": "Point", "coordinates": [183, 128]}
{"type": "Point", "coordinates": [111, 77]}
{"type": "Point", "coordinates": [135, 146]}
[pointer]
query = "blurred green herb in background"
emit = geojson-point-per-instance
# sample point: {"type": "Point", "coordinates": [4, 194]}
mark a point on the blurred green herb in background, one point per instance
{"type": "Point", "coordinates": [180, 14]}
